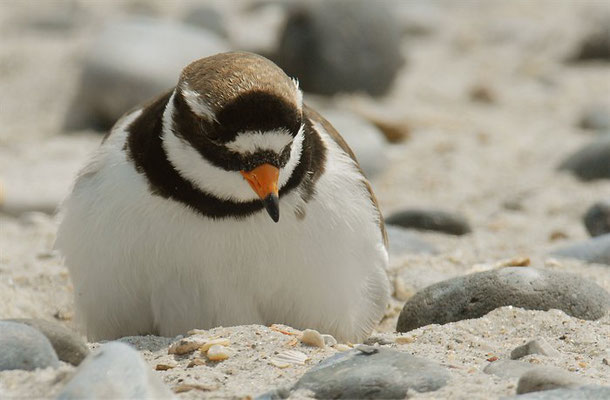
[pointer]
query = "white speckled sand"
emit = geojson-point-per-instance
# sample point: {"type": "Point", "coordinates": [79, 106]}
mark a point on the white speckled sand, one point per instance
{"type": "Point", "coordinates": [462, 155]}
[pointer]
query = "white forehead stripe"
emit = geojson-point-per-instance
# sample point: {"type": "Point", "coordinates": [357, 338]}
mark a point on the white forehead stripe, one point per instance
{"type": "Point", "coordinates": [197, 106]}
{"type": "Point", "coordinates": [250, 142]}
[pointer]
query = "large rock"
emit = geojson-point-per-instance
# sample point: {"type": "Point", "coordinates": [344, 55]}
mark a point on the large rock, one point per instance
{"type": "Point", "coordinates": [69, 346]}
{"type": "Point", "coordinates": [474, 295]}
{"type": "Point", "coordinates": [341, 46]}
{"type": "Point", "coordinates": [591, 162]}
{"type": "Point", "coordinates": [594, 250]}
{"type": "Point", "coordinates": [23, 347]}
{"type": "Point", "coordinates": [132, 61]}
{"type": "Point", "coordinates": [430, 220]}
{"type": "Point", "coordinates": [366, 141]}
{"type": "Point", "coordinates": [115, 371]}
{"type": "Point", "coordinates": [372, 373]}
{"type": "Point", "coordinates": [597, 218]}
{"type": "Point", "coordinates": [592, 392]}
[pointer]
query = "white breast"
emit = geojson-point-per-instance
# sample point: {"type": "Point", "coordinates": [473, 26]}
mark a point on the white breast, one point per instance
{"type": "Point", "coordinates": [142, 263]}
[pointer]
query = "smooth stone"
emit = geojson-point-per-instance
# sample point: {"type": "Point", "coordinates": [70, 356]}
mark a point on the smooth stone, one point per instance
{"type": "Point", "coordinates": [596, 118]}
{"type": "Point", "coordinates": [372, 373]}
{"type": "Point", "coordinates": [132, 61]}
{"type": "Point", "coordinates": [508, 368]}
{"type": "Point", "coordinates": [23, 347]}
{"type": "Point", "coordinates": [68, 345]}
{"type": "Point", "coordinates": [402, 241]}
{"type": "Point", "coordinates": [597, 218]}
{"type": "Point", "coordinates": [546, 378]}
{"type": "Point", "coordinates": [430, 220]}
{"type": "Point", "coordinates": [474, 295]}
{"type": "Point", "coordinates": [589, 392]}
{"type": "Point", "coordinates": [324, 45]}
{"type": "Point", "coordinates": [115, 371]}
{"type": "Point", "coordinates": [590, 162]}
{"type": "Point", "coordinates": [594, 250]}
{"type": "Point", "coordinates": [596, 44]}
{"type": "Point", "coordinates": [538, 346]}
{"type": "Point", "coordinates": [366, 141]}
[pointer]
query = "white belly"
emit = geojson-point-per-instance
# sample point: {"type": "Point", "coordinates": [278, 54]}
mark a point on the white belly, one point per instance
{"type": "Point", "coordinates": [142, 263]}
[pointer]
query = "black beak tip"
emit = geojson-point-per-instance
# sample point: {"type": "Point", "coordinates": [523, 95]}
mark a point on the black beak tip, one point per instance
{"type": "Point", "coordinates": [272, 205]}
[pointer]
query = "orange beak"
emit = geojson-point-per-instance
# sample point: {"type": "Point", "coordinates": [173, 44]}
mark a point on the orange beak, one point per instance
{"type": "Point", "coordinates": [263, 180]}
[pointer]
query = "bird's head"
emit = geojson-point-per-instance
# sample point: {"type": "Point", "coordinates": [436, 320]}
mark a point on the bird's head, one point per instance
{"type": "Point", "coordinates": [234, 128]}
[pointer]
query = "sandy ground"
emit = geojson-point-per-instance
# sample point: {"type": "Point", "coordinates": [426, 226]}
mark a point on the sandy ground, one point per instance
{"type": "Point", "coordinates": [462, 155]}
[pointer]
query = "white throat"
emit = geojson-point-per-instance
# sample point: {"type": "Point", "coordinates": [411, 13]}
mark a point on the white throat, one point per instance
{"type": "Point", "coordinates": [226, 185]}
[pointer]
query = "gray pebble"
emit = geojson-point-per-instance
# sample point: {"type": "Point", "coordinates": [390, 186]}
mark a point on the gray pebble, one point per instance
{"type": "Point", "coordinates": [546, 378]}
{"type": "Point", "coordinates": [114, 371]}
{"type": "Point", "coordinates": [538, 346]}
{"type": "Point", "coordinates": [508, 368]}
{"type": "Point", "coordinates": [69, 346]}
{"type": "Point", "coordinates": [366, 141]}
{"type": "Point", "coordinates": [597, 218]}
{"type": "Point", "coordinates": [474, 295]}
{"type": "Point", "coordinates": [402, 241]}
{"type": "Point", "coordinates": [23, 347]}
{"type": "Point", "coordinates": [382, 373]}
{"type": "Point", "coordinates": [132, 61]}
{"type": "Point", "coordinates": [325, 45]}
{"type": "Point", "coordinates": [590, 392]}
{"type": "Point", "coordinates": [594, 250]}
{"type": "Point", "coordinates": [430, 220]}
{"type": "Point", "coordinates": [590, 162]}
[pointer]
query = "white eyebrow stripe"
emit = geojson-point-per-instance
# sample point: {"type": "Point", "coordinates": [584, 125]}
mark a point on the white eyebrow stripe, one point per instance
{"type": "Point", "coordinates": [251, 141]}
{"type": "Point", "coordinates": [194, 102]}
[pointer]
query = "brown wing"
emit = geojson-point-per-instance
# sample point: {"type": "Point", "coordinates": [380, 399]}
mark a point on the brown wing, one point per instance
{"type": "Point", "coordinates": [314, 116]}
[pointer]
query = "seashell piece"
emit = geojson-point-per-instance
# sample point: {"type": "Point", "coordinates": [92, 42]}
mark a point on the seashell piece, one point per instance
{"type": "Point", "coordinates": [329, 340]}
{"type": "Point", "coordinates": [184, 346]}
{"type": "Point", "coordinates": [218, 353]}
{"type": "Point", "coordinates": [220, 341]}
{"type": "Point", "coordinates": [288, 358]}
{"type": "Point", "coordinates": [312, 337]}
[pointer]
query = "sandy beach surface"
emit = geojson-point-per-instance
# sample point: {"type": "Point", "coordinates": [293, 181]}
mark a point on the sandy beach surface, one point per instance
{"type": "Point", "coordinates": [492, 161]}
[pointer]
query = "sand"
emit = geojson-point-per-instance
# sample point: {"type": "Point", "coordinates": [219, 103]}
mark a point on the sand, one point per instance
{"type": "Point", "coordinates": [493, 162]}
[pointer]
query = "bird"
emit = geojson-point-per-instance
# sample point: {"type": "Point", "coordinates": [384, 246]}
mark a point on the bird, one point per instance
{"type": "Point", "coordinates": [225, 201]}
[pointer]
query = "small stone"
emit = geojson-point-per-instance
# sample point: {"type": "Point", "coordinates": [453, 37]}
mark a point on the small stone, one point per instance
{"type": "Point", "coordinates": [329, 340]}
{"type": "Point", "coordinates": [312, 337]}
{"type": "Point", "coordinates": [342, 347]}
{"type": "Point", "coordinates": [596, 118]}
{"type": "Point", "coordinates": [220, 341]}
{"type": "Point", "coordinates": [514, 262]}
{"type": "Point", "coordinates": [384, 373]}
{"type": "Point", "coordinates": [590, 162]}
{"type": "Point", "coordinates": [482, 94]}
{"type": "Point", "coordinates": [589, 392]}
{"type": "Point", "coordinates": [430, 220]}
{"type": "Point", "coordinates": [196, 362]}
{"type": "Point", "coordinates": [597, 218]}
{"type": "Point", "coordinates": [218, 352]}
{"type": "Point", "coordinates": [596, 44]}
{"type": "Point", "coordinates": [187, 387]}
{"type": "Point", "coordinates": [507, 368]}
{"type": "Point", "coordinates": [403, 241]}
{"type": "Point", "coordinates": [185, 346]}
{"type": "Point", "coordinates": [474, 295]}
{"type": "Point", "coordinates": [68, 345]}
{"type": "Point", "coordinates": [114, 371]}
{"type": "Point", "coordinates": [23, 347]}
{"type": "Point", "coordinates": [404, 340]}
{"type": "Point", "coordinates": [319, 37]}
{"type": "Point", "coordinates": [594, 250]}
{"type": "Point", "coordinates": [165, 366]}
{"type": "Point", "coordinates": [546, 378]}
{"type": "Point", "coordinates": [538, 346]}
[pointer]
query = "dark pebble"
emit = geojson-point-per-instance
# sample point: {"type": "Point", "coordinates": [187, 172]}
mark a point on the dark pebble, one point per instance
{"type": "Point", "coordinates": [474, 295]}
{"type": "Point", "coordinates": [430, 220]}
{"type": "Point", "coordinates": [69, 346]}
{"type": "Point", "coordinates": [341, 46]}
{"type": "Point", "coordinates": [591, 162]}
{"type": "Point", "coordinates": [23, 347]}
{"type": "Point", "coordinates": [595, 45]}
{"type": "Point", "coordinates": [382, 373]}
{"type": "Point", "coordinates": [594, 250]}
{"type": "Point", "coordinates": [597, 218]}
